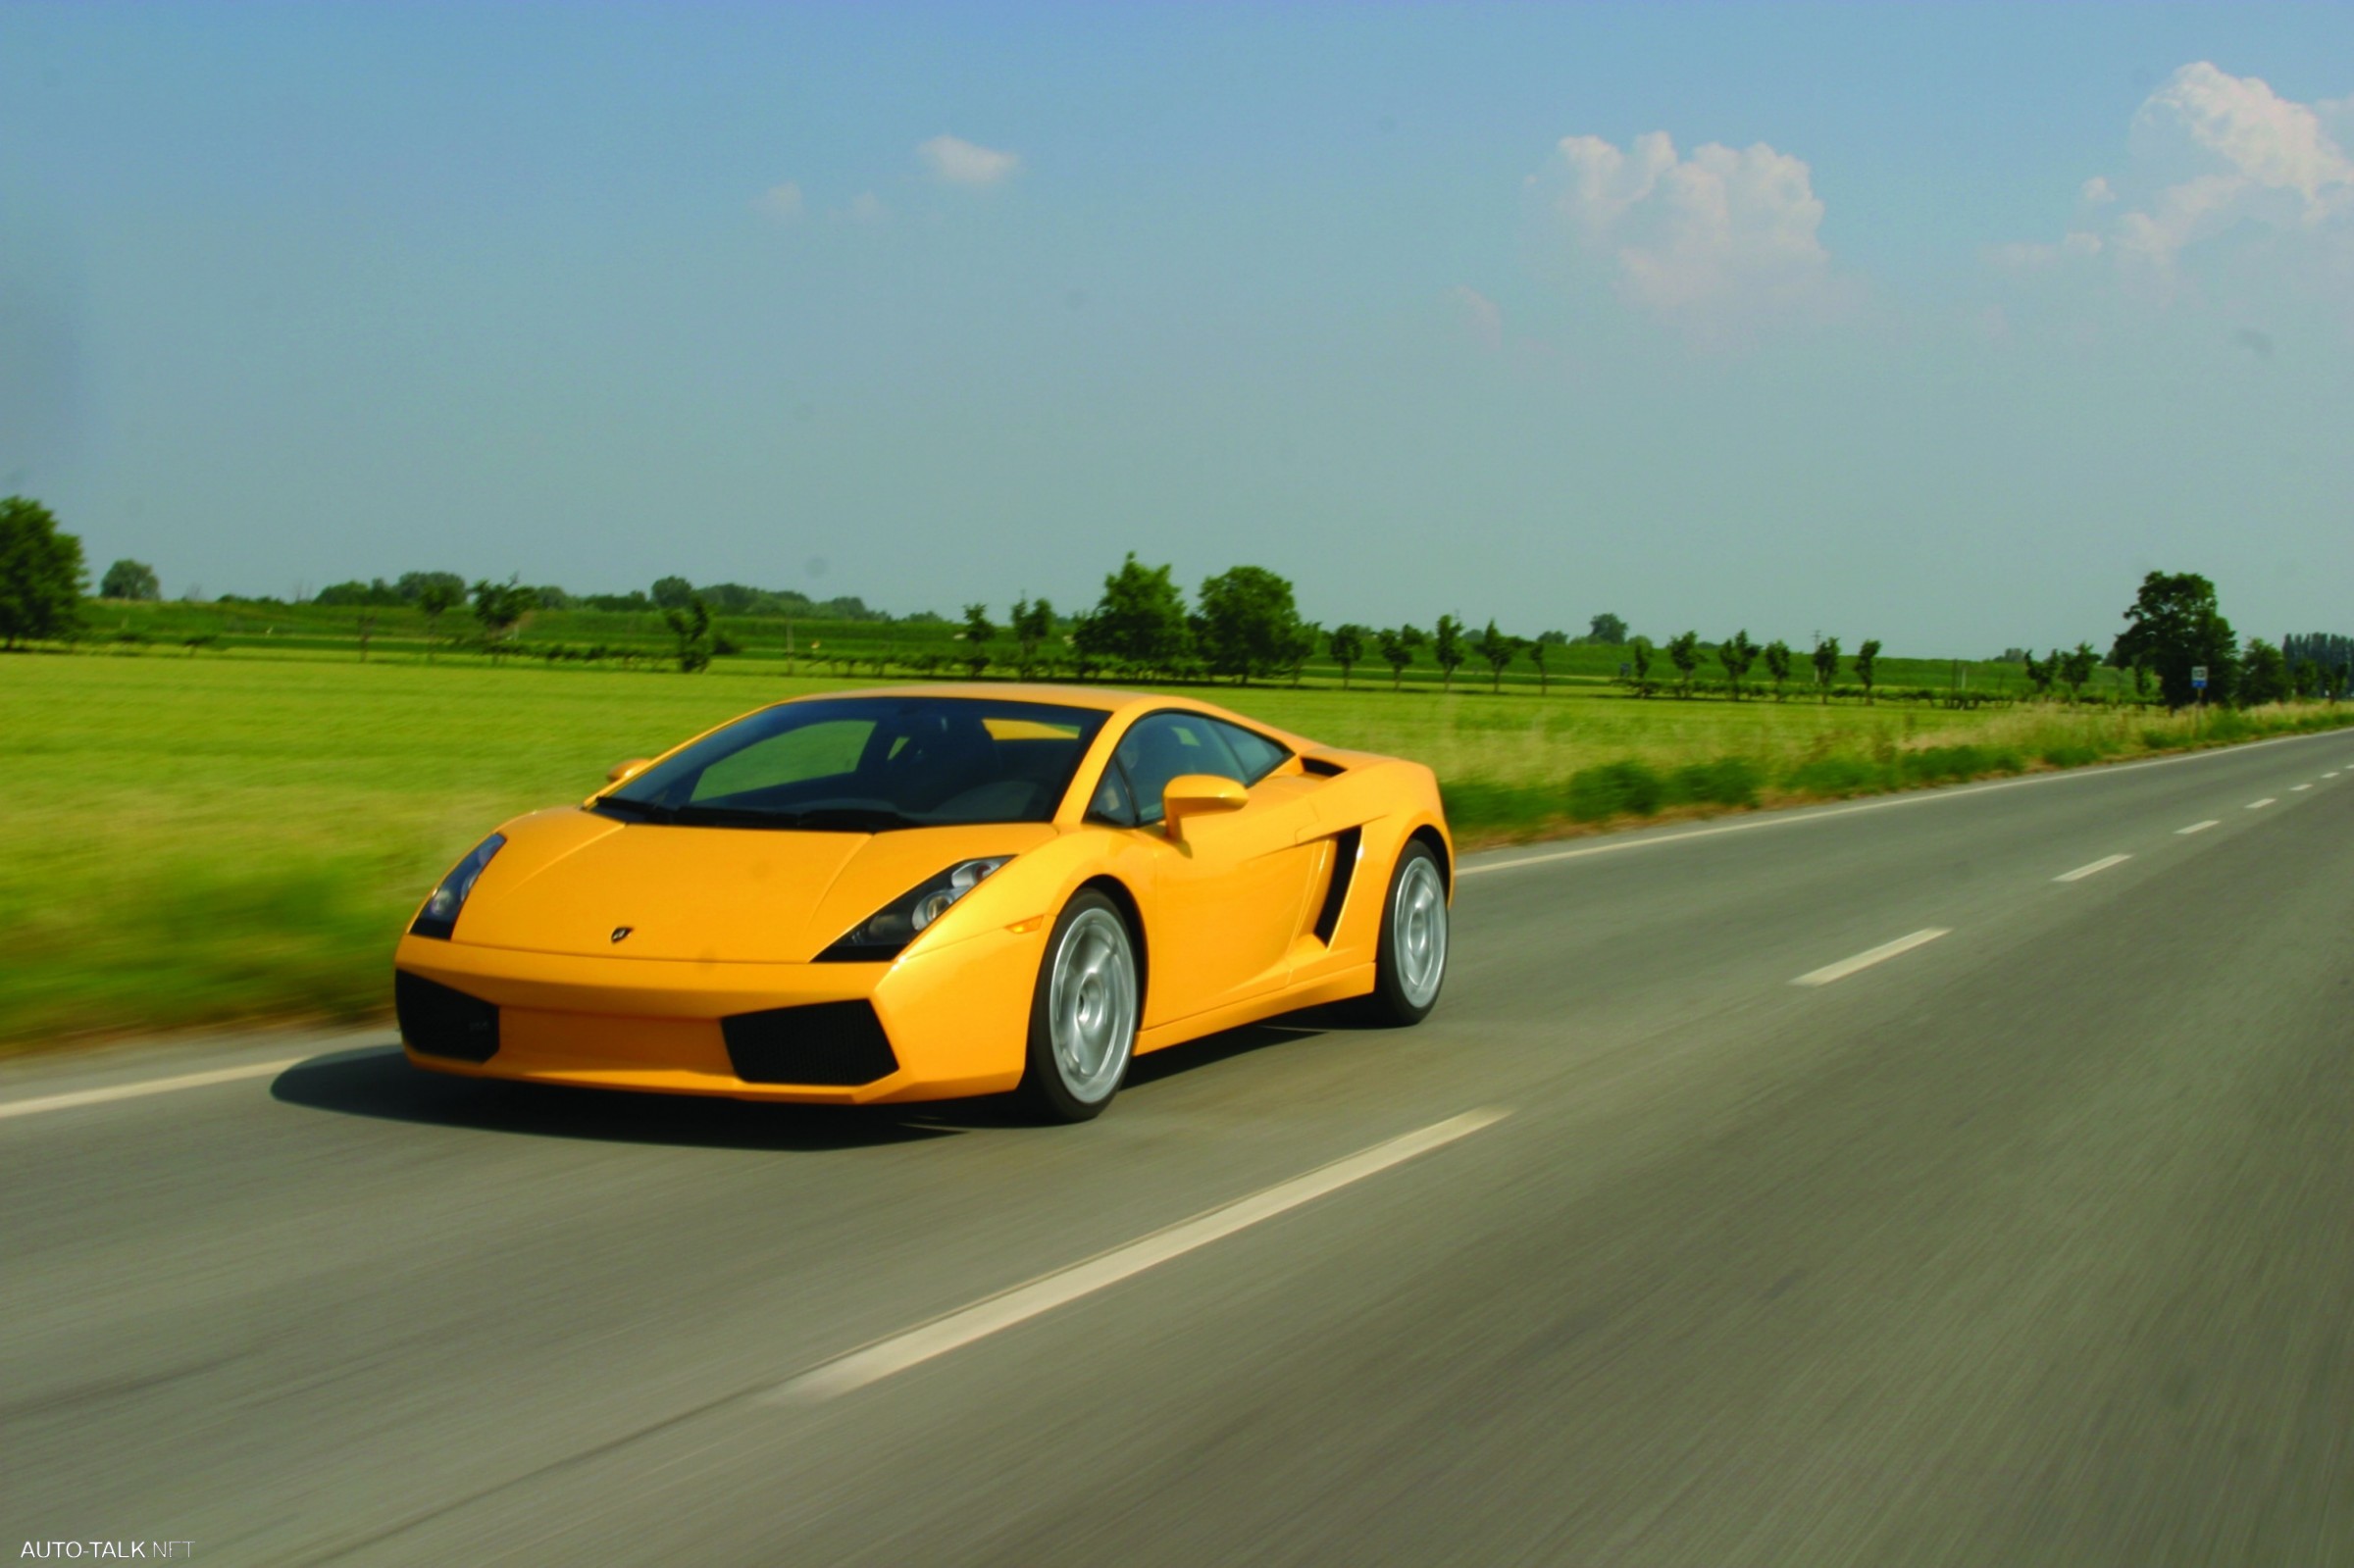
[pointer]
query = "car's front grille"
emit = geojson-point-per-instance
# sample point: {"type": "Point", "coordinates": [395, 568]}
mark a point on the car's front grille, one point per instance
{"type": "Point", "coordinates": [835, 1043]}
{"type": "Point", "coordinates": [441, 1021]}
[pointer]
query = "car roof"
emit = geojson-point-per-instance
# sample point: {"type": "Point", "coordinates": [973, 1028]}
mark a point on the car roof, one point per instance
{"type": "Point", "coordinates": [1100, 699]}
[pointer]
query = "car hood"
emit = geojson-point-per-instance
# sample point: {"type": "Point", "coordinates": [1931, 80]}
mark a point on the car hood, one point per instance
{"type": "Point", "coordinates": [568, 881]}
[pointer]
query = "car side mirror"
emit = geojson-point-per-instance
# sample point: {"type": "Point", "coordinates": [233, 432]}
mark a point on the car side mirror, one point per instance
{"type": "Point", "coordinates": [1198, 794]}
{"type": "Point", "coordinates": [625, 770]}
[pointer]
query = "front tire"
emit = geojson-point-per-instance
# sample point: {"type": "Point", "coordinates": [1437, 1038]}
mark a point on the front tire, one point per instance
{"type": "Point", "coordinates": [1411, 965]}
{"type": "Point", "coordinates": [1083, 1015]}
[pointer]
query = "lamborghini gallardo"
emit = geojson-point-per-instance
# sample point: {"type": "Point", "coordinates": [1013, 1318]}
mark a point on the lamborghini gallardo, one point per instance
{"type": "Point", "coordinates": [917, 893]}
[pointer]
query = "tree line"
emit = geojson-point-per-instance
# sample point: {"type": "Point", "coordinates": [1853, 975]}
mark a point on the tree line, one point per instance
{"type": "Point", "coordinates": [1242, 624]}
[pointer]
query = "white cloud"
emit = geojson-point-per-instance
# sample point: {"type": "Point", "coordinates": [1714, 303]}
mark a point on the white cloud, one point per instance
{"type": "Point", "coordinates": [1478, 315]}
{"type": "Point", "coordinates": [781, 202]}
{"type": "Point", "coordinates": [2212, 154]}
{"type": "Point", "coordinates": [1711, 241]}
{"type": "Point", "coordinates": [957, 162]}
{"type": "Point", "coordinates": [868, 208]}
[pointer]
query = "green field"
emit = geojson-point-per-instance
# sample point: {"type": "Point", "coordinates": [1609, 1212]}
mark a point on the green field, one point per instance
{"type": "Point", "coordinates": [210, 837]}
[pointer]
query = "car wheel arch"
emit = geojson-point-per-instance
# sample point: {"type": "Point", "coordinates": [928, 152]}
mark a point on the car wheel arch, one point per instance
{"type": "Point", "coordinates": [1436, 842]}
{"type": "Point", "coordinates": [1133, 915]}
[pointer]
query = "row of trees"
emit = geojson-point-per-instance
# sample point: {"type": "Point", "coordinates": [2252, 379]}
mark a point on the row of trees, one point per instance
{"type": "Point", "coordinates": [1244, 625]}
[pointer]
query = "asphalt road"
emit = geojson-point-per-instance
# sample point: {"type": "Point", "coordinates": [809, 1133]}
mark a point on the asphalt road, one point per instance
{"type": "Point", "coordinates": [2032, 1242]}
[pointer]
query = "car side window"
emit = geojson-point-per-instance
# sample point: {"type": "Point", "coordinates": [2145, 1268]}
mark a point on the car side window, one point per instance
{"type": "Point", "coordinates": [1170, 745]}
{"type": "Point", "coordinates": [1258, 755]}
{"type": "Point", "coordinates": [1112, 803]}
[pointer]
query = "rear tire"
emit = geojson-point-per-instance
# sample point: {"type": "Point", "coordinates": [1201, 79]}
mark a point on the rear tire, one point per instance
{"type": "Point", "coordinates": [1084, 1013]}
{"type": "Point", "coordinates": [1411, 965]}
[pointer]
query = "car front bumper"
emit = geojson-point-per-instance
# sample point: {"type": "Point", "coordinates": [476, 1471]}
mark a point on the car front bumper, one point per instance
{"type": "Point", "coordinates": [945, 1022]}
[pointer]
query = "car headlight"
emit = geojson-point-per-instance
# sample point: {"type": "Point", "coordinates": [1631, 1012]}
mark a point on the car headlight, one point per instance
{"type": "Point", "coordinates": [439, 916]}
{"type": "Point", "coordinates": [880, 935]}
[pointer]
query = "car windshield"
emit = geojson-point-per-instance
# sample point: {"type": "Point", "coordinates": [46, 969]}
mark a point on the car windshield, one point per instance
{"type": "Point", "coordinates": [868, 765]}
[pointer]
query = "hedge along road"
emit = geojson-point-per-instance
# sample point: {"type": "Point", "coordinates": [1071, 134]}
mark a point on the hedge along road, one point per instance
{"type": "Point", "coordinates": [213, 839]}
{"type": "Point", "coordinates": [2029, 1243]}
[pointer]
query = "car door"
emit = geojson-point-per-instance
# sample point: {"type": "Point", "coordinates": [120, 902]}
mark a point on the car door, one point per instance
{"type": "Point", "coordinates": [1224, 903]}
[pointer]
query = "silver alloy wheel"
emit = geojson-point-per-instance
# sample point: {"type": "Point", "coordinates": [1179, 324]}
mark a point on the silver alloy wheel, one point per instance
{"type": "Point", "coordinates": [1090, 1008]}
{"type": "Point", "coordinates": [1418, 931]}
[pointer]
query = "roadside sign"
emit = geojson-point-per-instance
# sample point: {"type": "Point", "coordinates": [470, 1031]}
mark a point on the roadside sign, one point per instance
{"type": "Point", "coordinates": [2198, 678]}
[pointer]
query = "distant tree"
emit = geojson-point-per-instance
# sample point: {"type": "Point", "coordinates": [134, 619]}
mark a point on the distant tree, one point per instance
{"type": "Point", "coordinates": [2076, 667]}
{"type": "Point", "coordinates": [978, 629]}
{"type": "Point", "coordinates": [1085, 657]}
{"type": "Point", "coordinates": [1398, 645]}
{"type": "Point", "coordinates": [1607, 628]}
{"type": "Point", "coordinates": [1737, 653]}
{"type": "Point", "coordinates": [1868, 657]}
{"type": "Point", "coordinates": [1300, 647]}
{"type": "Point", "coordinates": [1544, 643]}
{"type": "Point", "coordinates": [1032, 624]}
{"type": "Point", "coordinates": [1826, 666]}
{"type": "Point", "coordinates": [1447, 649]}
{"type": "Point", "coordinates": [548, 596]}
{"type": "Point", "coordinates": [412, 586]}
{"type": "Point", "coordinates": [2307, 678]}
{"type": "Point", "coordinates": [1499, 650]}
{"type": "Point", "coordinates": [672, 593]}
{"type": "Point", "coordinates": [130, 580]}
{"type": "Point", "coordinates": [1139, 622]}
{"type": "Point", "coordinates": [2263, 674]}
{"type": "Point", "coordinates": [435, 599]}
{"type": "Point", "coordinates": [2174, 626]}
{"type": "Point", "coordinates": [1639, 652]}
{"type": "Point", "coordinates": [1777, 664]}
{"type": "Point", "coordinates": [500, 607]}
{"type": "Point", "coordinates": [691, 624]}
{"type": "Point", "coordinates": [40, 573]}
{"type": "Point", "coordinates": [1248, 621]}
{"type": "Point", "coordinates": [1684, 653]}
{"type": "Point", "coordinates": [2041, 673]}
{"type": "Point", "coordinates": [1345, 644]}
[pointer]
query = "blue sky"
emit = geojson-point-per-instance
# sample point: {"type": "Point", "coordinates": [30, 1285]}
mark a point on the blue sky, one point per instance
{"type": "Point", "coordinates": [1937, 324]}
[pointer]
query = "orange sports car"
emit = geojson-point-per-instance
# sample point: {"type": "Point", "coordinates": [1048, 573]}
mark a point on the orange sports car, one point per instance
{"type": "Point", "coordinates": [920, 893]}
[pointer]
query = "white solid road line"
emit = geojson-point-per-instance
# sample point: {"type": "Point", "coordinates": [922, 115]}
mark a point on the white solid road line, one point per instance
{"type": "Point", "coordinates": [2198, 827]}
{"type": "Point", "coordinates": [1047, 1292]}
{"type": "Point", "coordinates": [2082, 872]}
{"type": "Point", "coordinates": [1878, 955]}
{"type": "Point", "coordinates": [152, 1086]}
{"type": "Point", "coordinates": [2265, 802]}
{"type": "Point", "coordinates": [1915, 799]}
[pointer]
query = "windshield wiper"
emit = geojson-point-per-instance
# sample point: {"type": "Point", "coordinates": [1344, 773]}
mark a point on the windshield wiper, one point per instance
{"type": "Point", "coordinates": [857, 819]}
{"type": "Point", "coordinates": [818, 819]}
{"type": "Point", "coordinates": [651, 811]}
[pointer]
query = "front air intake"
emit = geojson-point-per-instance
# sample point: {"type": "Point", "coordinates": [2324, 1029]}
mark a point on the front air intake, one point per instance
{"type": "Point", "coordinates": [440, 1022]}
{"type": "Point", "coordinates": [839, 1045]}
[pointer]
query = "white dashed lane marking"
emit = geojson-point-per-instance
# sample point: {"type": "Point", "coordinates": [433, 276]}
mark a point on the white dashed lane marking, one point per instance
{"type": "Point", "coordinates": [1045, 1294]}
{"type": "Point", "coordinates": [2082, 872]}
{"type": "Point", "coordinates": [1865, 960]}
{"type": "Point", "coordinates": [2198, 827]}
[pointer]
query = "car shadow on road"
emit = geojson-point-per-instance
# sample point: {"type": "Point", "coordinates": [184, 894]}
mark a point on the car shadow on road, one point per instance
{"type": "Point", "coordinates": [377, 1082]}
